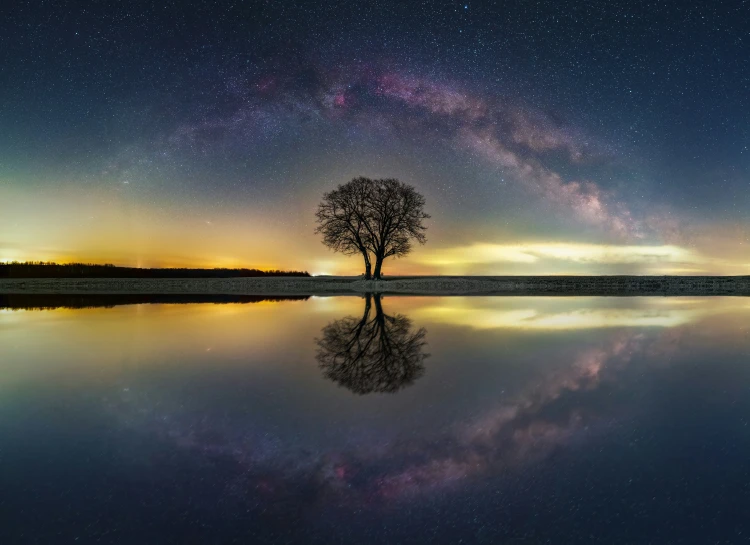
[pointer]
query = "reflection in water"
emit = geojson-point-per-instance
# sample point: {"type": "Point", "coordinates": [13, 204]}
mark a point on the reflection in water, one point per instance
{"type": "Point", "coordinates": [45, 301]}
{"type": "Point", "coordinates": [607, 435]}
{"type": "Point", "coordinates": [372, 354]}
{"type": "Point", "coordinates": [550, 314]}
{"type": "Point", "coordinates": [552, 412]}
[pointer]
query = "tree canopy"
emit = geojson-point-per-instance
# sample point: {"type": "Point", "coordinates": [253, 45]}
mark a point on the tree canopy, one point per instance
{"type": "Point", "coordinates": [375, 218]}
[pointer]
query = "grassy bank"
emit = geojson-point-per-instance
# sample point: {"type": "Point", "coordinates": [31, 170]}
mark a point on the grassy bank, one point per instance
{"type": "Point", "coordinates": [444, 285]}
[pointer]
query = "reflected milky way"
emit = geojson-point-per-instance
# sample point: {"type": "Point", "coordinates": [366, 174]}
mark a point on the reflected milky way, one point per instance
{"type": "Point", "coordinates": [516, 432]}
{"type": "Point", "coordinates": [543, 415]}
{"type": "Point", "coordinates": [259, 409]}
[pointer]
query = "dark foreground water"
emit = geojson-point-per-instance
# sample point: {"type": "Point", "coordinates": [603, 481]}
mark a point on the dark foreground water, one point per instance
{"type": "Point", "coordinates": [356, 420]}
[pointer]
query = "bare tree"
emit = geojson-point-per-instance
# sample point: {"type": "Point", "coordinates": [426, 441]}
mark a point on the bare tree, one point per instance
{"type": "Point", "coordinates": [396, 212]}
{"type": "Point", "coordinates": [381, 353]}
{"type": "Point", "coordinates": [378, 217]}
{"type": "Point", "coordinates": [343, 220]}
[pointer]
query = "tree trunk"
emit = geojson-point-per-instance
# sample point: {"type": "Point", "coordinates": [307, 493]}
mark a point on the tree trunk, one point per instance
{"type": "Point", "coordinates": [368, 266]}
{"type": "Point", "coordinates": [378, 267]}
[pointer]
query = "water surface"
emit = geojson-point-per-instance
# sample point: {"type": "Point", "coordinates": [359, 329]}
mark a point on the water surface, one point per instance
{"type": "Point", "coordinates": [376, 420]}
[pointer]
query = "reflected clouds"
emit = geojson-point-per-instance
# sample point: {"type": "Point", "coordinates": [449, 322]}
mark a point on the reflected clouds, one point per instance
{"type": "Point", "coordinates": [539, 313]}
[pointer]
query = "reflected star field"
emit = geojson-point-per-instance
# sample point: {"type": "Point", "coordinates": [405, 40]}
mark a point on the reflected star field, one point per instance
{"type": "Point", "coordinates": [514, 426]}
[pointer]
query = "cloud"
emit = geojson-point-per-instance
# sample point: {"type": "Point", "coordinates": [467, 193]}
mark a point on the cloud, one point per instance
{"type": "Point", "coordinates": [714, 252]}
{"type": "Point", "coordinates": [534, 252]}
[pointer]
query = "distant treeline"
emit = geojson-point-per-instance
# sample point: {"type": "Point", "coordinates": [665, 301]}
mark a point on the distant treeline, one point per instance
{"type": "Point", "coordinates": [87, 270]}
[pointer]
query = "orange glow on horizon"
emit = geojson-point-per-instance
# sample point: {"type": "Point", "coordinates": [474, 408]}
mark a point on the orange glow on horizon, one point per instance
{"type": "Point", "coordinates": [102, 227]}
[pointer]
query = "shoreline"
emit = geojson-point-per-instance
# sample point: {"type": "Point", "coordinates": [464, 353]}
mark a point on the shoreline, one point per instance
{"type": "Point", "coordinates": [404, 285]}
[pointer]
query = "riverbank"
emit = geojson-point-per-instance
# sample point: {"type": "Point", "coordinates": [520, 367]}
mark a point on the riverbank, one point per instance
{"type": "Point", "coordinates": [424, 285]}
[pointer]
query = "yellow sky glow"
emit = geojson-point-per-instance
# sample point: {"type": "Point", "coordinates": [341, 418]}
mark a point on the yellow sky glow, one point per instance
{"type": "Point", "coordinates": [102, 226]}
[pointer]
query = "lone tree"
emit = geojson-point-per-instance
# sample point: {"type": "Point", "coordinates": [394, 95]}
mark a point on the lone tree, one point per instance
{"type": "Point", "coordinates": [342, 218]}
{"type": "Point", "coordinates": [376, 218]}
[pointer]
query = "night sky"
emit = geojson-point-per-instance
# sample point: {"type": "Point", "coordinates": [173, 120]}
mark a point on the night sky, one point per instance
{"type": "Point", "coordinates": [548, 137]}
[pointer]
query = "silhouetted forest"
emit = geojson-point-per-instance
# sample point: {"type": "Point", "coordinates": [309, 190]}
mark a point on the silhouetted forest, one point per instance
{"type": "Point", "coordinates": [86, 270]}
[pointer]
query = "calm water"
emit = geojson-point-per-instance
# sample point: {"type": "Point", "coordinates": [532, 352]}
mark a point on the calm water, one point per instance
{"type": "Point", "coordinates": [401, 420]}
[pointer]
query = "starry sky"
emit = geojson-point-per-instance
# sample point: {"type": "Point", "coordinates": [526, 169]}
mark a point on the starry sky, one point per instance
{"type": "Point", "coordinates": [547, 137]}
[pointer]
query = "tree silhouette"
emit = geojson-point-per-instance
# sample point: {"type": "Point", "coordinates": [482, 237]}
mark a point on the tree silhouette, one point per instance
{"type": "Point", "coordinates": [397, 212]}
{"type": "Point", "coordinates": [373, 354]}
{"type": "Point", "coordinates": [343, 220]}
{"type": "Point", "coordinates": [378, 217]}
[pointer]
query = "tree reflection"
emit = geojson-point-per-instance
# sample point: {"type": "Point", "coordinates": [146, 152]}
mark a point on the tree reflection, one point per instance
{"type": "Point", "coordinates": [379, 353]}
